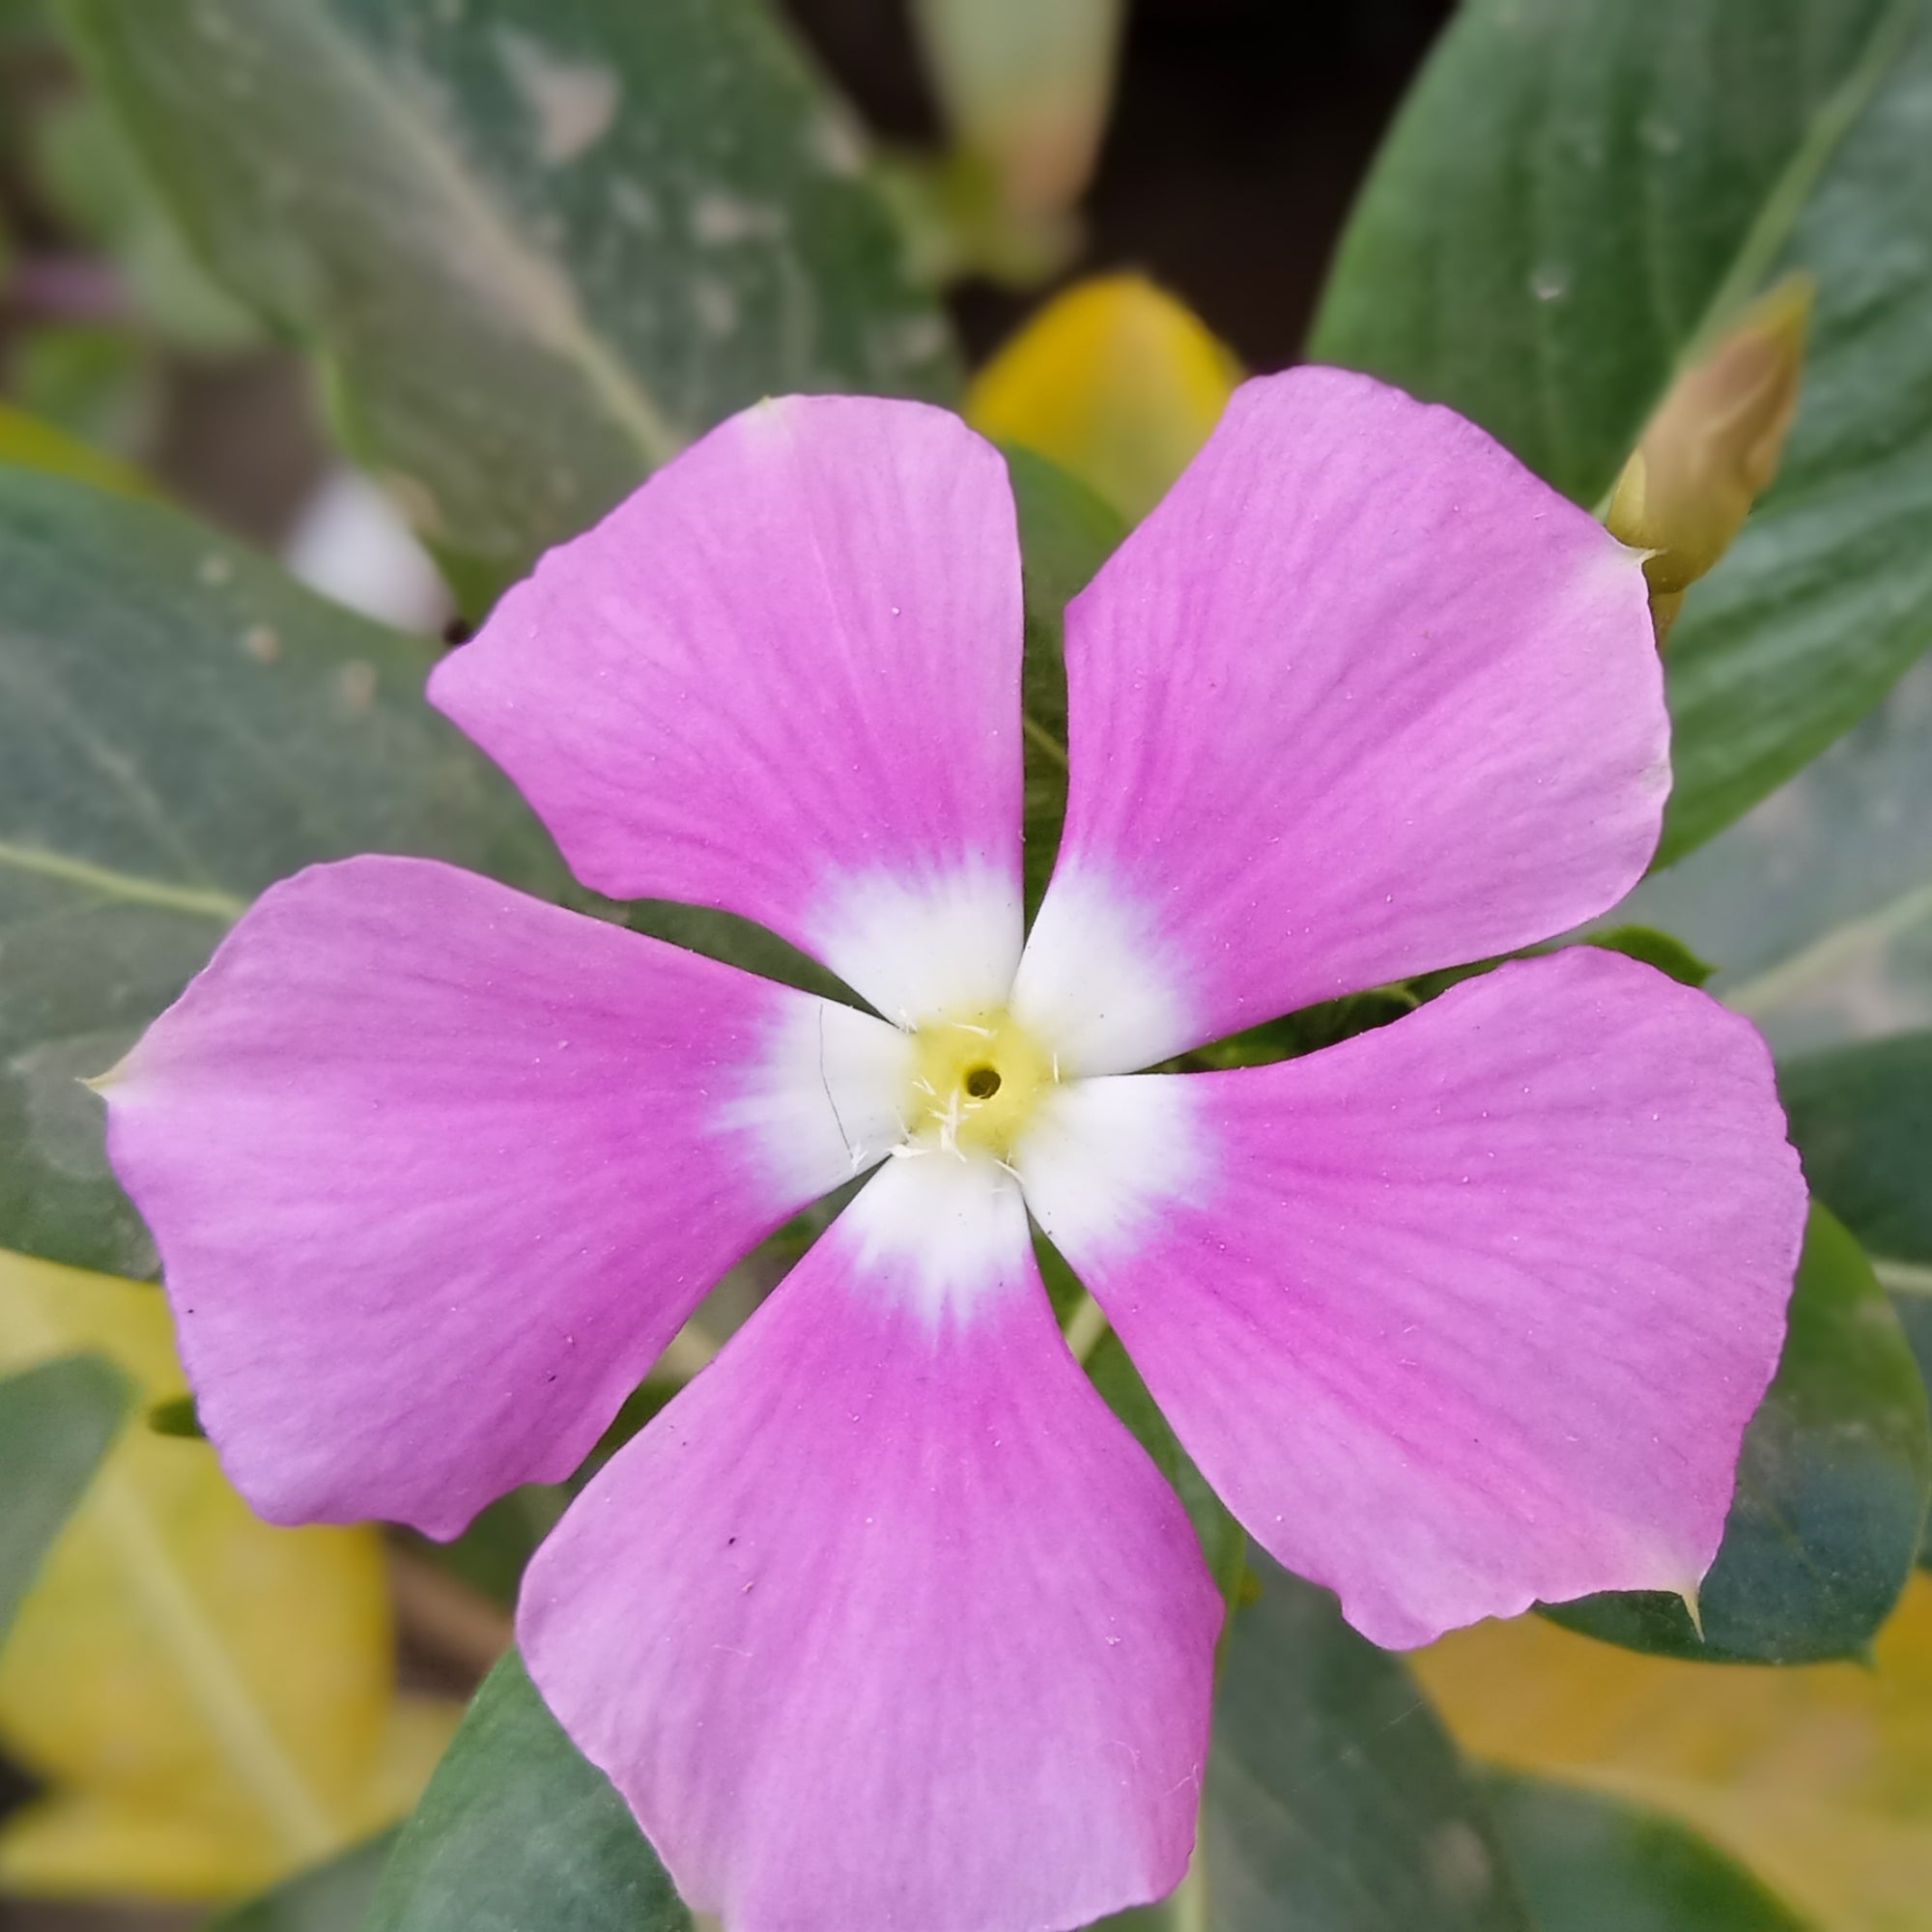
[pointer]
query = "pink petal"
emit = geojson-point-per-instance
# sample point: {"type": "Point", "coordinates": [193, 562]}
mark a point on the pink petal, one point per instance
{"type": "Point", "coordinates": [887, 1622]}
{"type": "Point", "coordinates": [1362, 697]}
{"type": "Point", "coordinates": [1463, 1313]}
{"type": "Point", "coordinates": [437, 1170]}
{"type": "Point", "coordinates": [784, 679]}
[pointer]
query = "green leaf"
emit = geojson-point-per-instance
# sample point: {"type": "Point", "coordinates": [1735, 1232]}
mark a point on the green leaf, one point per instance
{"type": "Point", "coordinates": [517, 1831]}
{"type": "Point", "coordinates": [1826, 598]}
{"type": "Point", "coordinates": [329, 1897]}
{"type": "Point", "coordinates": [1572, 199]}
{"type": "Point", "coordinates": [180, 726]}
{"type": "Point", "coordinates": [1655, 948]}
{"type": "Point", "coordinates": [56, 1422]}
{"type": "Point", "coordinates": [1591, 1864]}
{"type": "Point", "coordinates": [539, 243]}
{"type": "Point", "coordinates": [1067, 532]}
{"type": "Point", "coordinates": [1574, 194]}
{"type": "Point", "coordinates": [1819, 902]}
{"type": "Point", "coordinates": [177, 1416]}
{"type": "Point", "coordinates": [1223, 1543]}
{"type": "Point", "coordinates": [1335, 1799]}
{"type": "Point", "coordinates": [1861, 1117]}
{"type": "Point", "coordinates": [1831, 1495]}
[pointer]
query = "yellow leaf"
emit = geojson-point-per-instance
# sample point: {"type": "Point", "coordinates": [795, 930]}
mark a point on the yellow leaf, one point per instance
{"type": "Point", "coordinates": [210, 1700]}
{"type": "Point", "coordinates": [1818, 1777]}
{"type": "Point", "coordinates": [35, 444]}
{"type": "Point", "coordinates": [1114, 380]}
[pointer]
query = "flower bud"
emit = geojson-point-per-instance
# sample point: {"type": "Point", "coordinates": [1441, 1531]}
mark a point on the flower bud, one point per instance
{"type": "Point", "coordinates": [1712, 446]}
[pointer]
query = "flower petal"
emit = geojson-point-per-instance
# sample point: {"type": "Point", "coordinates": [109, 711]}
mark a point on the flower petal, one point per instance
{"type": "Point", "coordinates": [784, 679]}
{"type": "Point", "coordinates": [1463, 1313]}
{"type": "Point", "coordinates": [1360, 697]}
{"type": "Point", "coordinates": [437, 1170]}
{"type": "Point", "coordinates": [887, 1620]}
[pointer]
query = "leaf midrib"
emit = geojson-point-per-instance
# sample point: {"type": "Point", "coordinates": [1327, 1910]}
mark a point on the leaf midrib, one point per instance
{"type": "Point", "coordinates": [530, 281]}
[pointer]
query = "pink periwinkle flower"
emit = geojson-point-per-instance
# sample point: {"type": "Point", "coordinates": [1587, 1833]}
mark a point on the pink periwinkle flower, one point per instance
{"type": "Point", "coordinates": [885, 1621]}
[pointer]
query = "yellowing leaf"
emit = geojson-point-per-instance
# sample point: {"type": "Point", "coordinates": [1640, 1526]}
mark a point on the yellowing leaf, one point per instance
{"type": "Point", "coordinates": [35, 444]}
{"type": "Point", "coordinates": [1116, 382]}
{"type": "Point", "coordinates": [1819, 1777]}
{"type": "Point", "coordinates": [210, 1700]}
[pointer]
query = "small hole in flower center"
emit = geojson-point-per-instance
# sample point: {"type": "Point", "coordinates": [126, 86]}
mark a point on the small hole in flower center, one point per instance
{"type": "Point", "coordinates": [984, 1082]}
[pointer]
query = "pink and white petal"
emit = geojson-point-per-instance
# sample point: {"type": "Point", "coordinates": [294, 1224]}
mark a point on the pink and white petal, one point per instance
{"type": "Point", "coordinates": [784, 679]}
{"type": "Point", "coordinates": [1361, 696]}
{"type": "Point", "coordinates": [887, 1621]}
{"type": "Point", "coordinates": [436, 1169]}
{"type": "Point", "coordinates": [1463, 1312]}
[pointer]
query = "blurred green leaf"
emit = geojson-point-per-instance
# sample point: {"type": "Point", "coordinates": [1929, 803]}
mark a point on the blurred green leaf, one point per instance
{"type": "Point", "coordinates": [518, 1831]}
{"type": "Point", "coordinates": [1819, 902]}
{"type": "Point", "coordinates": [90, 381]}
{"type": "Point", "coordinates": [1861, 1117]}
{"type": "Point", "coordinates": [1572, 200]}
{"type": "Point", "coordinates": [1335, 1799]}
{"type": "Point", "coordinates": [84, 163]}
{"type": "Point", "coordinates": [328, 1897]}
{"type": "Point", "coordinates": [180, 726]}
{"type": "Point", "coordinates": [539, 243]}
{"type": "Point", "coordinates": [1591, 1864]}
{"type": "Point", "coordinates": [56, 1422]}
{"type": "Point", "coordinates": [1067, 532]}
{"type": "Point", "coordinates": [177, 1416]}
{"type": "Point", "coordinates": [1832, 1486]}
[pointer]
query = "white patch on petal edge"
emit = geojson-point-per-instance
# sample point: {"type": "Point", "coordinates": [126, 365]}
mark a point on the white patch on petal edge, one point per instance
{"type": "Point", "coordinates": [1094, 983]}
{"type": "Point", "coordinates": [945, 1234]}
{"type": "Point", "coordinates": [918, 944]}
{"type": "Point", "coordinates": [1102, 1158]}
{"type": "Point", "coordinates": [825, 1099]}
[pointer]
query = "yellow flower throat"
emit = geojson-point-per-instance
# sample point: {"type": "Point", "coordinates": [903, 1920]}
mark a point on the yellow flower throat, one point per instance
{"type": "Point", "coordinates": [975, 1080]}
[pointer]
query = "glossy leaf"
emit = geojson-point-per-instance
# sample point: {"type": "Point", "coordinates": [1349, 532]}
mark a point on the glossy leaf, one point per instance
{"type": "Point", "coordinates": [1831, 1495]}
{"type": "Point", "coordinates": [1818, 1779]}
{"type": "Point", "coordinates": [539, 243]}
{"type": "Point", "coordinates": [1590, 1863]}
{"type": "Point", "coordinates": [332, 1896]}
{"type": "Point", "coordinates": [56, 1422]}
{"type": "Point", "coordinates": [180, 726]}
{"type": "Point", "coordinates": [517, 1830]}
{"type": "Point", "coordinates": [208, 1703]}
{"type": "Point", "coordinates": [1335, 1801]}
{"type": "Point", "coordinates": [1574, 195]}
{"type": "Point", "coordinates": [1116, 382]}
{"type": "Point", "coordinates": [1570, 204]}
{"type": "Point", "coordinates": [1826, 597]}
